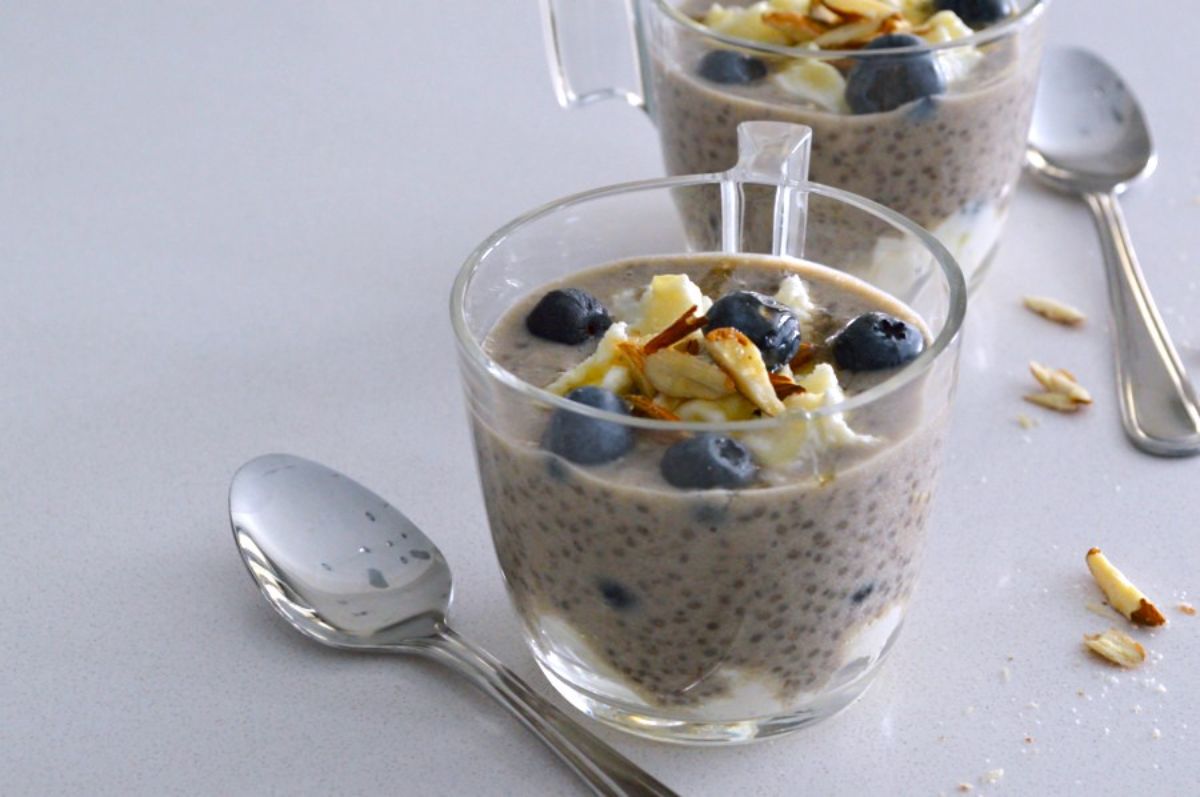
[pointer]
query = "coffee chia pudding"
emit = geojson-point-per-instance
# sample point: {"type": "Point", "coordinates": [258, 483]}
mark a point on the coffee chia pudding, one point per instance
{"type": "Point", "coordinates": [710, 574]}
{"type": "Point", "coordinates": [935, 134]}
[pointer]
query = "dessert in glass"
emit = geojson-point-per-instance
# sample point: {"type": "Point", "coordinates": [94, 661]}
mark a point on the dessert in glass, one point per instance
{"type": "Point", "coordinates": [920, 105]}
{"type": "Point", "coordinates": [708, 472]}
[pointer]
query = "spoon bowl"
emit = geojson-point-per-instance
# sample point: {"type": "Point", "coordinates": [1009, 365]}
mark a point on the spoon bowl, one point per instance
{"type": "Point", "coordinates": [339, 563]}
{"type": "Point", "coordinates": [1090, 138]}
{"type": "Point", "coordinates": [349, 570]}
{"type": "Point", "coordinates": [1088, 131]}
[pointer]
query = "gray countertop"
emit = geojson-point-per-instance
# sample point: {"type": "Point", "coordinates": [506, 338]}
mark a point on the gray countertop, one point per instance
{"type": "Point", "coordinates": [230, 228]}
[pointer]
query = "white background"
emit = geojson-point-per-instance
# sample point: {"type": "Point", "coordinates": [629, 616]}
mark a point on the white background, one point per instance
{"type": "Point", "coordinates": [230, 228]}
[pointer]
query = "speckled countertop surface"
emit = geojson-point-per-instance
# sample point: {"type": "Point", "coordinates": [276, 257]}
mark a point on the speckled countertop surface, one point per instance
{"type": "Point", "coordinates": [230, 228]}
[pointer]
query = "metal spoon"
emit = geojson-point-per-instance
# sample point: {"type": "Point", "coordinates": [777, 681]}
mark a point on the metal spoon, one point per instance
{"type": "Point", "coordinates": [349, 570]}
{"type": "Point", "coordinates": [1089, 138]}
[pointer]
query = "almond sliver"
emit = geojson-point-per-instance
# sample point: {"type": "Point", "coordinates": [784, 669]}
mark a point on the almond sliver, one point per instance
{"type": "Point", "coordinates": [683, 375]}
{"type": "Point", "coordinates": [740, 358]}
{"type": "Point", "coordinates": [1121, 593]}
{"type": "Point", "coordinates": [1117, 647]}
{"type": "Point", "coordinates": [1054, 310]}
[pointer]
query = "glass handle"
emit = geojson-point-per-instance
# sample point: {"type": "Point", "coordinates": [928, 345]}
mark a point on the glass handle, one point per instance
{"type": "Point", "coordinates": [770, 153]}
{"type": "Point", "coordinates": [571, 32]}
{"type": "Point", "coordinates": [1159, 408]}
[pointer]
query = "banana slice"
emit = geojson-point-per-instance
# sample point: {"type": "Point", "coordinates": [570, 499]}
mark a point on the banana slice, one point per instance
{"type": "Point", "coordinates": [803, 439]}
{"type": "Point", "coordinates": [683, 375]}
{"type": "Point", "coordinates": [816, 82]}
{"type": "Point", "coordinates": [603, 368]}
{"type": "Point", "coordinates": [742, 360]}
{"type": "Point", "coordinates": [731, 408]}
{"type": "Point", "coordinates": [668, 297]}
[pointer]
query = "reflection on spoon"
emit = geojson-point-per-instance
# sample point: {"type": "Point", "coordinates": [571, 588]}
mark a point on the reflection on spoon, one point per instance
{"type": "Point", "coordinates": [1089, 138]}
{"type": "Point", "coordinates": [349, 570]}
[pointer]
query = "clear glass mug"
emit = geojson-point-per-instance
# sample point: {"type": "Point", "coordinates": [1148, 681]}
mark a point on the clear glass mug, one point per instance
{"type": "Point", "coordinates": [949, 163]}
{"type": "Point", "coordinates": [711, 615]}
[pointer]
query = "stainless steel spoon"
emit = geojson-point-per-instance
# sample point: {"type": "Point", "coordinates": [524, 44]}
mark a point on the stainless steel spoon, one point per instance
{"type": "Point", "coordinates": [1089, 138]}
{"type": "Point", "coordinates": [349, 570]}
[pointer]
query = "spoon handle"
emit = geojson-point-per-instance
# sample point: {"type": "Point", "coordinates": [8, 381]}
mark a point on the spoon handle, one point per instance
{"type": "Point", "coordinates": [606, 771]}
{"type": "Point", "coordinates": [1158, 405]}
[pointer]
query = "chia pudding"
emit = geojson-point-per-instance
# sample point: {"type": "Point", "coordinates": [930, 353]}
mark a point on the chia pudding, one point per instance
{"type": "Point", "coordinates": [939, 137]}
{"type": "Point", "coordinates": [653, 585]}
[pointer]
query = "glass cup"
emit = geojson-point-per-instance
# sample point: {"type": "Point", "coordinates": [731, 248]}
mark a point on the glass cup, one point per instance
{"type": "Point", "coordinates": [725, 614]}
{"type": "Point", "coordinates": [949, 162]}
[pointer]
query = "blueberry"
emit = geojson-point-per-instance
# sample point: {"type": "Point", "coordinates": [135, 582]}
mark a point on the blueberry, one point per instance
{"type": "Point", "coordinates": [615, 594]}
{"type": "Point", "coordinates": [882, 83]}
{"type": "Point", "coordinates": [589, 441]}
{"type": "Point", "coordinates": [977, 13]}
{"type": "Point", "coordinates": [706, 461]}
{"type": "Point", "coordinates": [876, 340]}
{"type": "Point", "coordinates": [726, 66]}
{"type": "Point", "coordinates": [772, 327]}
{"type": "Point", "coordinates": [863, 592]}
{"type": "Point", "coordinates": [568, 316]}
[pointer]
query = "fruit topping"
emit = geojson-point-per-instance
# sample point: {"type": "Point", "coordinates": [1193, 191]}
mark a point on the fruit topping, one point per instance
{"type": "Point", "coordinates": [977, 13]}
{"type": "Point", "coordinates": [615, 594]}
{"type": "Point", "coordinates": [884, 83]}
{"type": "Point", "coordinates": [586, 440]}
{"type": "Point", "coordinates": [568, 316]}
{"type": "Point", "coordinates": [731, 68]}
{"type": "Point", "coordinates": [708, 461]}
{"type": "Point", "coordinates": [875, 341]}
{"type": "Point", "coordinates": [769, 324]}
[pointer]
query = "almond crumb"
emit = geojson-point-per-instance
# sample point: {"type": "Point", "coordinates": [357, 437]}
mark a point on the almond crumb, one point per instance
{"type": "Point", "coordinates": [965, 787]}
{"type": "Point", "coordinates": [1025, 422]}
{"type": "Point", "coordinates": [1187, 609]}
{"type": "Point", "coordinates": [1054, 310]}
{"type": "Point", "coordinates": [993, 775]}
{"type": "Point", "coordinates": [1117, 647]}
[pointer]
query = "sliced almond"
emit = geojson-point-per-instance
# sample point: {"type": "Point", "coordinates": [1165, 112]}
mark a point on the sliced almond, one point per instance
{"type": "Point", "coordinates": [896, 24]}
{"type": "Point", "coordinates": [741, 359]}
{"type": "Point", "coordinates": [1121, 593]}
{"type": "Point", "coordinates": [861, 8]}
{"type": "Point", "coordinates": [784, 385]}
{"type": "Point", "coordinates": [805, 356]}
{"type": "Point", "coordinates": [854, 33]}
{"type": "Point", "coordinates": [1054, 310]}
{"type": "Point", "coordinates": [1053, 401]}
{"type": "Point", "coordinates": [1061, 381]}
{"type": "Point", "coordinates": [1117, 647]}
{"type": "Point", "coordinates": [797, 27]}
{"type": "Point", "coordinates": [824, 14]}
{"type": "Point", "coordinates": [648, 408]}
{"type": "Point", "coordinates": [682, 375]}
{"type": "Point", "coordinates": [679, 329]}
{"type": "Point", "coordinates": [631, 355]}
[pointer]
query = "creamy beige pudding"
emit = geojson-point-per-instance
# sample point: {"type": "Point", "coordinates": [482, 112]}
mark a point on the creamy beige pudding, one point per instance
{"type": "Point", "coordinates": [937, 136]}
{"type": "Point", "coordinates": [732, 587]}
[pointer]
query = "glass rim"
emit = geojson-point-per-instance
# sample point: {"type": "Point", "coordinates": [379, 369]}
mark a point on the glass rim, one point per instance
{"type": "Point", "coordinates": [473, 351]}
{"type": "Point", "coordinates": [1026, 17]}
